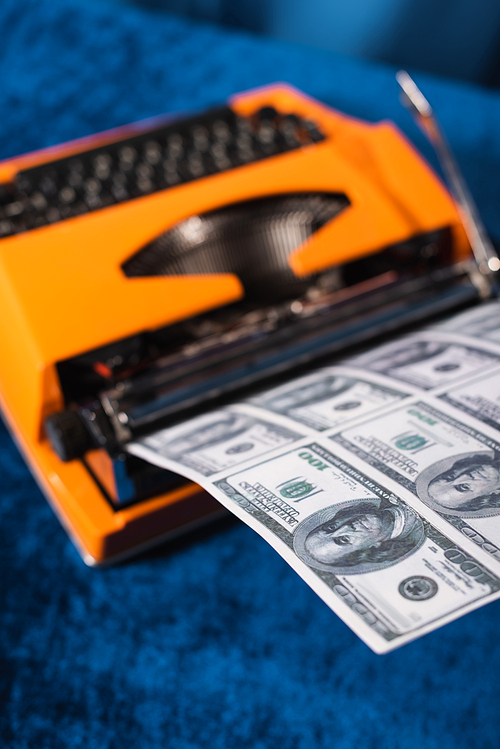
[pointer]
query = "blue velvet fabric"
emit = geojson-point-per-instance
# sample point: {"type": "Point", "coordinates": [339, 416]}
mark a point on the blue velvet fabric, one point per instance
{"type": "Point", "coordinates": [213, 642]}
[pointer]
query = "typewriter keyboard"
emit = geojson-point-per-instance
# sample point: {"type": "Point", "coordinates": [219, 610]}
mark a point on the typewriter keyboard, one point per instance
{"type": "Point", "coordinates": [146, 163]}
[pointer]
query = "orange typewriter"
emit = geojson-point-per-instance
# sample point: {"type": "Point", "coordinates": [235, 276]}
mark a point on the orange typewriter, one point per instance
{"type": "Point", "coordinates": [155, 270]}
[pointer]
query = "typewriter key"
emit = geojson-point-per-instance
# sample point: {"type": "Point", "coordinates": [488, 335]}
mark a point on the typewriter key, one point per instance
{"type": "Point", "coordinates": [152, 152]}
{"type": "Point", "coordinates": [47, 183]}
{"type": "Point", "coordinates": [200, 138]}
{"type": "Point", "coordinates": [127, 155]}
{"type": "Point", "coordinates": [175, 149]}
{"type": "Point", "coordinates": [24, 185]}
{"type": "Point", "coordinates": [13, 209]}
{"type": "Point", "coordinates": [92, 185]}
{"type": "Point", "coordinates": [67, 195]}
{"type": "Point", "coordinates": [221, 131]}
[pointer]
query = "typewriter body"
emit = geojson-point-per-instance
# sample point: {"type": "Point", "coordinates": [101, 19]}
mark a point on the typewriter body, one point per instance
{"type": "Point", "coordinates": [152, 271]}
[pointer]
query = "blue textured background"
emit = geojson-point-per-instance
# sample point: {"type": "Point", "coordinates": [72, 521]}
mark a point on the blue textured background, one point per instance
{"type": "Point", "coordinates": [214, 642]}
{"type": "Point", "coordinates": [456, 38]}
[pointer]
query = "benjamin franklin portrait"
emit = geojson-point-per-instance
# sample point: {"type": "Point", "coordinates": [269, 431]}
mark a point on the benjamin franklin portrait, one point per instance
{"type": "Point", "coordinates": [358, 536]}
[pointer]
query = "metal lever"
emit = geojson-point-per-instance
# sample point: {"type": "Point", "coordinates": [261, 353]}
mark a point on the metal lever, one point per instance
{"type": "Point", "coordinates": [484, 253]}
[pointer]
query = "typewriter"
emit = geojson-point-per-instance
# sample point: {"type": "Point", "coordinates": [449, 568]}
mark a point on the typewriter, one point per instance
{"type": "Point", "coordinates": [153, 271]}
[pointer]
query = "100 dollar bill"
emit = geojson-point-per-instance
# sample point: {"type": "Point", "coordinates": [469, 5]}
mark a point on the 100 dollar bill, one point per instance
{"type": "Point", "coordinates": [450, 466]}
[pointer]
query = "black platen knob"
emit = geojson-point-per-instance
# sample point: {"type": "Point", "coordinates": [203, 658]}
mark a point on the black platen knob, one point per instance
{"type": "Point", "coordinates": [68, 435]}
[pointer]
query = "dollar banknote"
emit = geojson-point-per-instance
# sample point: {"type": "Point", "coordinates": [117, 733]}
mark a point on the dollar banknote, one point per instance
{"type": "Point", "coordinates": [329, 397]}
{"type": "Point", "coordinates": [479, 398]}
{"type": "Point", "coordinates": [451, 466]}
{"type": "Point", "coordinates": [480, 322]}
{"type": "Point", "coordinates": [427, 360]}
{"type": "Point", "coordinates": [219, 440]}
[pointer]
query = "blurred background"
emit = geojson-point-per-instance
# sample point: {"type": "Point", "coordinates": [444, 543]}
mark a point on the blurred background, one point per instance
{"type": "Point", "coordinates": [454, 38]}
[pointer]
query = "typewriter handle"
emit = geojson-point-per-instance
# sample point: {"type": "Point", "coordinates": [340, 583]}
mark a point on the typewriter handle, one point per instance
{"type": "Point", "coordinates": [413, 99]}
